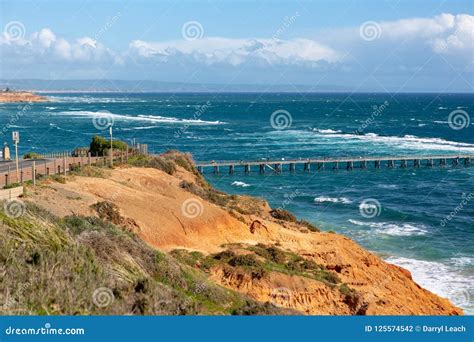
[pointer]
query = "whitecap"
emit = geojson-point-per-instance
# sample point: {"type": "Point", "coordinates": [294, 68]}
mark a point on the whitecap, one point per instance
{"type": "Point", "coordinates": [387, 186]}
{"type": "Point", "coordinates": [388, 228]}
{"type": "Point", "coordinates": [323, 199]}
{"type": "Point", "coordinates": [408, 141]}
{"type": "Point", "coordinates": [148, 118]}
{"type": "Point", "coordinates": [241, 184]}
{"type": "Point", "coordinates": [326, 131]}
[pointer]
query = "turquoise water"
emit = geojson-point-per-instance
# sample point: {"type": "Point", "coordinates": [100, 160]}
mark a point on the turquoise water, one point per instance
{"type": "Point", "coordinates": [411, 227]}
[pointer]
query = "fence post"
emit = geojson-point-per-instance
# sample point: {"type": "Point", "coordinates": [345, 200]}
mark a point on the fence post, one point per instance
{"type": "Point", "coordinates": [6, 179]}
{"type": "Point", "coordinates": [64, 166]}
{"type": "Point", "coordinates": [89, 158]}
{"type": "Point", "coordinates": [33, 172]}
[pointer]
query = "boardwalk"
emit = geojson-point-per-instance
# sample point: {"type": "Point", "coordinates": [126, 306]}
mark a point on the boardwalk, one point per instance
{"type": "Point", "coordinates": [348, 163]}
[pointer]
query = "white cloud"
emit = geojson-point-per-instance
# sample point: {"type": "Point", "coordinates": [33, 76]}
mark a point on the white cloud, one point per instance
{"type": "Point", "coordinates": [218, 50]}
{"type": "Point", "coordinates": [45, 44]}
{"type": "Point", "coordinates": [421, 51]}
{"type": "Point", "coordinates": [445, 33]}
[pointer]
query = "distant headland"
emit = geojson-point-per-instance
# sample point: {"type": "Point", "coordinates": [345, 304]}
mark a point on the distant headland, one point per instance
{"type": "Point", "coordinates": [8, 95]}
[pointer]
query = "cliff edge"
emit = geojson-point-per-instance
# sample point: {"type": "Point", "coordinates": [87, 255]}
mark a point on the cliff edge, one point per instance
{"type": "Point", "coordinates": [237, 243]}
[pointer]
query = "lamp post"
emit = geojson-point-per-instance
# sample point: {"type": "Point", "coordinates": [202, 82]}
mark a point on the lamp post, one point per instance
{"type": "Point", "coordinates": [16, 140]}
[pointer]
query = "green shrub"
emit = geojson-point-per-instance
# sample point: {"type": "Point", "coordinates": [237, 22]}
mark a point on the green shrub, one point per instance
{"type": "Point", "coordinates": [224, 255]}
{"type": "Point", "coordinates": [31, 155]}
{"type": "Point", "coordinates": [310, 226]}
{"type": "Point", "coordinates": [12, 185]}
{"type": "Point", "coordinates": [99, 145]}
{"type": "Point", "coordinates": [162, 164]}
{"type": "Point", "coordinates": [244, 260]}
{"type": "Point", "coordinates": [284, 215]}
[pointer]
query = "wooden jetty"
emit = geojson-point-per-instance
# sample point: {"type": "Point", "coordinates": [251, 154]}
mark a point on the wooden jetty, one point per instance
{"type": "Point", "coordinates": [347, 163]}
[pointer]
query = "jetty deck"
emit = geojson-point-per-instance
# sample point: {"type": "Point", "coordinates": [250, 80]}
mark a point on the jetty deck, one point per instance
{"type": "Point", "coordinates": [347, 163]}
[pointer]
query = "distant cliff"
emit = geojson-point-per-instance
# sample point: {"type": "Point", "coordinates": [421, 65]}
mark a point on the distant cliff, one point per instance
{"type": "Point", "coordinates": [20, 96]}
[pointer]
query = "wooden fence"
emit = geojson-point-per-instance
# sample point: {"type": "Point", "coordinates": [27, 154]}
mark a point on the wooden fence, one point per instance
{"type": "Point", "coordinates": [54, 166]}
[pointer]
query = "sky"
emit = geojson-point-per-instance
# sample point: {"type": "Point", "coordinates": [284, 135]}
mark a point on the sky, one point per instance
{"type": "Point", "coordinates": [384, 45]}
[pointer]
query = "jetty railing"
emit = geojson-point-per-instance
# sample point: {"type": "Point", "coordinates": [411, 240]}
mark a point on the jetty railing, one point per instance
{"type": "Point", "coordinates": [335, 163]}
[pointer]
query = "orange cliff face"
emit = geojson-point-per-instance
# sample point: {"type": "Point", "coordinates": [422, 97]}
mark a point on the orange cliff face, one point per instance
{"type": "Point", "coordinates": [165, 214]}
{"type": "Point", "coordinates": [20, 96]}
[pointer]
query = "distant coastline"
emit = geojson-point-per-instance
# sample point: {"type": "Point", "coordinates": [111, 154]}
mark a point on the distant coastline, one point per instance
{"type": "Point", "coordinates": [20, 96]}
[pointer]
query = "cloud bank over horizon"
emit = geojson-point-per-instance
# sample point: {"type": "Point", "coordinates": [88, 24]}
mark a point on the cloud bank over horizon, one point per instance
{"type": "Point", "coordinates": [402, 50]}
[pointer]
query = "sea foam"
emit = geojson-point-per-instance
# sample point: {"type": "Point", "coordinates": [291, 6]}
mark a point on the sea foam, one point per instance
{"type": "Point", "coordinates": [142, 118]}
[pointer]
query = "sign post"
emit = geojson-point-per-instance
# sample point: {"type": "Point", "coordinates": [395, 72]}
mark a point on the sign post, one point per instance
{"type": "Point", "coordinates": [111, 148]}
{"type": "Point", "coordinates": [16, 140]}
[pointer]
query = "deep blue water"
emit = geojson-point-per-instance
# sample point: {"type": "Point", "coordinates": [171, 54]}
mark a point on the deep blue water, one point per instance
{"type": "Point", "coordinates": [413, 203]}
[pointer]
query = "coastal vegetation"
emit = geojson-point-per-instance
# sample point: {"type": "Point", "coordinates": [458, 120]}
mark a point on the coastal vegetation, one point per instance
{"type": "Point", "coordinates": [81, 255]}
{"type": "Point", "coordinates": [100, 145]}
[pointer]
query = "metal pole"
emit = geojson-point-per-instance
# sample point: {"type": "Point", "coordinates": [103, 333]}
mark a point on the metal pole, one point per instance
{"type": "Point", "coordinates": [111, 148]}
{"type": "Point", "coordinates": [33, 172]}
{"type": "Point", "coordinates": [16, 160]}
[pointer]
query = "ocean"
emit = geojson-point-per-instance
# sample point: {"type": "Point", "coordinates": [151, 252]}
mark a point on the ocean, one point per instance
{"type": "Point", "coordinates": [421, 219]}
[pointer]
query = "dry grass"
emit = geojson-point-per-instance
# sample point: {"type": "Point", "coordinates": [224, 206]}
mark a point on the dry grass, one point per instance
{"type": "Point", "coordinates": [54, 266]}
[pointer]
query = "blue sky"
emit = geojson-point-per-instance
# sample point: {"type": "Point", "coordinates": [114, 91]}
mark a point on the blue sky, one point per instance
{"type": "Point", "coordinates": [361, 45]}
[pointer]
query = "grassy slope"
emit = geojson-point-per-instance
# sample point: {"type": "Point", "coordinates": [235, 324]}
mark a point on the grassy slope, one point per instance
{"type": "Point", "coordinates": [53, 266]}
